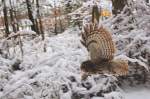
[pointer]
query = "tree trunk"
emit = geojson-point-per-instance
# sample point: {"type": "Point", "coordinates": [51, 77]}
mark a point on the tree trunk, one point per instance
{"type": "Point", "coordinates": [95, 14]}
{"type": "Point", "coordinates": [11, 10]}
{"type": "Point", "coordinates": [148, 1]}
{"type": "Point", "coordinates": [40, 20]}
{"type": "Point", "coordinates": [61, 25]}
{"type": "Point", "coordinates": [37, 26]}
{"type": "Point", "coordinates": [118, 6]}
{"type": "Point", "coordinates": [6, 19]}
{"type": "Point", "coordinates": [16, 22]}
{"type": "Point", "coordinates": [33, 26]}
{"type": "Point", "coordinates": [55, 30]}
{"type": "Point", "coordinates": [40, 23]}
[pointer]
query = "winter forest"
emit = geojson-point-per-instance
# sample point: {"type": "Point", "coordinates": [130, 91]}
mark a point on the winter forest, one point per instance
{"type": "Point", "coordinates": [41, 49]}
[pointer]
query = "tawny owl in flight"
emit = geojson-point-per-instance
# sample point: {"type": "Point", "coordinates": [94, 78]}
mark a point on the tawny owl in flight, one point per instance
{"type": "Point", "coordinates": [101, 48]}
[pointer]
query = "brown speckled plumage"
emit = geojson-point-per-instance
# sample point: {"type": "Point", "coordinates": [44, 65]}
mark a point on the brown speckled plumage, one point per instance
{"type": "Point", "coordinates": [100, 45]}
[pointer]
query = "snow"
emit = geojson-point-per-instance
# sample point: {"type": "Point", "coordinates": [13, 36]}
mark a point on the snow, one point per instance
{"type": "Point", "coordinates": [137, 93]}
{"type": "Point", "coordinates": [21, 33]}
{"type": "Point", "coordinates": [62, 60]}
{"type": "Point", "coordinates": [25, 22]}
{"type": "Point", "coordinates": [97, 98]}
{"type": "Point", "coordinates": [114, 95]}
{"type": "Point", "coordinates": [55, 74]}
{"type": "Point", "coordinates": [133, 93]}
{"type": "Point", "coordinates": [134, 61]}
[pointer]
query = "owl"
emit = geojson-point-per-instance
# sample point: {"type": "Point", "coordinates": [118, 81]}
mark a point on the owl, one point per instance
{"type": "Point", "coordinates": [101, 48]}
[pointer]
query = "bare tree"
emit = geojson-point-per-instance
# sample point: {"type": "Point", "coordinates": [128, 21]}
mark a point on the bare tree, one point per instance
{"type": "Point", "coordinates": [147, 1]}
{"type": "Point", "coordinates": [118, 6]}
{"type": "Point", "coordinates": [33, 26]}
{"type": "Point", "coordinates": [40, 22]}
{"type": "Point", "coordinates": [6, 18]}
{"type": "Point", "coordinates": [16, 23]}
{"type": "Point", "coordinates": [39, 18]}
{"type": "Point", "coordinates": [95, 14]}
{"type": "Point", "coordinates": [60, 20]}
{"type": "Point", "coordinates": [55, 15]}
{"type": "Point", "coordinates": [12, 18]}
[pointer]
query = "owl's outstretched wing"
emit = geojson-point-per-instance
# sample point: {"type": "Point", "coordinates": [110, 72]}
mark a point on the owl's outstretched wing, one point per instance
{"type": "Point", "coordinates": [99, 43]}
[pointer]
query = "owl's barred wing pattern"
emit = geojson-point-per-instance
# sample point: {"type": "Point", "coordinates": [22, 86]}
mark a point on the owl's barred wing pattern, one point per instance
{"type": "Point", "coordinates": [99, 43]}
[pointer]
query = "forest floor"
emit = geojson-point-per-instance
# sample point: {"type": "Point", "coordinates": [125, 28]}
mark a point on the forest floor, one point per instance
{"type": "Point", "coordinates": [137, 93]}
{"type": "Point", "coordinates": [41, 74]}
{"type": "Point", "coordinates": [134, 93]}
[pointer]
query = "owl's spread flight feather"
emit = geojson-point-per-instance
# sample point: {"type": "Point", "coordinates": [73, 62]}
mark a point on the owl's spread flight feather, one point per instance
{"type": "Point", "coordinates": [101, 48]}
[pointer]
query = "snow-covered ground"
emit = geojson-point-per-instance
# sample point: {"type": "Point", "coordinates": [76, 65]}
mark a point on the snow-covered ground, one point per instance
{"type": "Point", "coordinates": [55, 74]}
{"type": "Point", "coordinates": [137, 93]}
{"type": "Point", "coordinates": [49, 70]}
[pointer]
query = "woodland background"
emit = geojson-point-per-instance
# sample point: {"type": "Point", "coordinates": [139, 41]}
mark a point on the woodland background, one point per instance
{"type": "Point", "coordinates": [41, 53]}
